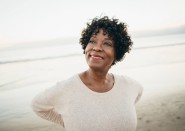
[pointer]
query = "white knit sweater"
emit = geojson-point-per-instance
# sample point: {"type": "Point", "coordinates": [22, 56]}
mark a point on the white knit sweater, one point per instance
{"type": "Point", "coordinates": [77, 108]}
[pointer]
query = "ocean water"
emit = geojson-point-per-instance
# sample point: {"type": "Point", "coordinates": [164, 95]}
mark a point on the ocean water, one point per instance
{"type": "Point", "coordinates": [66, 48]}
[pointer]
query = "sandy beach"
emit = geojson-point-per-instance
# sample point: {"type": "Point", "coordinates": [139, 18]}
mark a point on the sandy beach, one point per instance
{"type": "Point", "coordinates": [161, 71]}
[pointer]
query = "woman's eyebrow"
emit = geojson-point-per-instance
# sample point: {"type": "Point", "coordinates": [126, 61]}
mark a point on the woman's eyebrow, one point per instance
{"type": "Point", "coordinates": [93, 36]}
{"type": "Point", "coordinates": [109, 39]}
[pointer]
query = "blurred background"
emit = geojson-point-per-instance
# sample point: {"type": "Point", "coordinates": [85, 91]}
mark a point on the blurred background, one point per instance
{"type": "Point", "coordinates": [39, 45]}
{"type": "Point", "coordinates": [47, 26]}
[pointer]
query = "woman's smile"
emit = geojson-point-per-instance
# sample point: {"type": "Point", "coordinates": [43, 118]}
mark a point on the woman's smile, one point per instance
{"type": "Point", "coordinates": [96, 57]}
{"type": "Point", "coordinates": [100, 51]}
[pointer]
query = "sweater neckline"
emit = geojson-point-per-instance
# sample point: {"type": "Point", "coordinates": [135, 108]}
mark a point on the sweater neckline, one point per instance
{"type": "Point", "coordinates": [94, 92]}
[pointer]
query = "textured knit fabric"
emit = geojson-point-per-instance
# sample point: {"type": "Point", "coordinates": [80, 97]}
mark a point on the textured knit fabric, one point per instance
{"type": "Point", "coordinates": [77, 108]}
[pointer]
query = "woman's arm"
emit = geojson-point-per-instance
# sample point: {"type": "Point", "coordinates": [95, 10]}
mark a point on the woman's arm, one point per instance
{"type": "Point", "coordinates": [44, 105]}
{"type": "Point", "coordinates": [140, 92]}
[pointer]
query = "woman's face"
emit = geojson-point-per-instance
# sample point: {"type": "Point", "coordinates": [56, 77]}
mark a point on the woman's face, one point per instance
{"type": "Point", "coordinates": [100, 52]}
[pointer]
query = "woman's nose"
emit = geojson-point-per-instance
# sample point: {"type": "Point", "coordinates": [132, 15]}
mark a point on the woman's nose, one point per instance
{"type": "Point", "coordinates": [97, 47]}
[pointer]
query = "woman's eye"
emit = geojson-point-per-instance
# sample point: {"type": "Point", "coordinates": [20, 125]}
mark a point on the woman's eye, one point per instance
{"type": "Point", "coordinates": [92, 41]}
{"type": "Point", "coordinates": [108, 44]}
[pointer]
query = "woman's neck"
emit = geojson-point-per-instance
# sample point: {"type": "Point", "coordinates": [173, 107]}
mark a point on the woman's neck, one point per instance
{"type": "Point", "coordinates": [97, 81]}
{"type": "Point", "coordinates": [97, 76]}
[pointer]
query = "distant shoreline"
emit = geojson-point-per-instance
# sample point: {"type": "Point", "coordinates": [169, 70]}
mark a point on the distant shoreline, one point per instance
{"type": "Point", "coordinates": [77, 54]}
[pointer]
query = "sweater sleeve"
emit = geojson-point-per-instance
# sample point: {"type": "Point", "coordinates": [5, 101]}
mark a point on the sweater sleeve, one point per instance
{"type": "Point", "coordinates": [44, 104]}
{"type": "Point", "coordinates": [140, 92]}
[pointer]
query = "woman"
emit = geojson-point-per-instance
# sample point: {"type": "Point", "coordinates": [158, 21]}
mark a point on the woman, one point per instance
{"type": "Point", "coordinates": [95, 100]}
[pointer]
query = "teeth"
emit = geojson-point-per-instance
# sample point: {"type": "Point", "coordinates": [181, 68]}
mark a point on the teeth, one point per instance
{"type": "Point", "coordinates": [96, 57]}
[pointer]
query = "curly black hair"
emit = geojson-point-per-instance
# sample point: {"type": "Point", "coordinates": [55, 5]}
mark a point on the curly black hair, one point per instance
{"type": "Point", "coordinates": [116, 30]}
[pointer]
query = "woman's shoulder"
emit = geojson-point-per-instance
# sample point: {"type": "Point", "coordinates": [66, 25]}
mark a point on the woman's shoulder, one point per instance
{"type": "Point", "coordinates": [61, 87]}
{"type": "Point", "coordinates": [130, 82]}
{"type": "Point", "coordinates": [68, 82]}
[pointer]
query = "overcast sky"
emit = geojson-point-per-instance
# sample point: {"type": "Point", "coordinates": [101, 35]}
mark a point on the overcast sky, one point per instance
{"type": "Point", "coordinates": [34, 20]}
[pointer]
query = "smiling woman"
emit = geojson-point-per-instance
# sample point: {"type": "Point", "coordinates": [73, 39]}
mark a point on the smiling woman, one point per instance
{"type": "Point", "coordinates": [100, 51]}
{"type": "Point", "coordinates": [95, 99]}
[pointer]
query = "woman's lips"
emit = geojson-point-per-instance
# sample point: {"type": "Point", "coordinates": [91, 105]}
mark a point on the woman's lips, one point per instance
{"type": "Point", "coordinates": [96, 57]}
